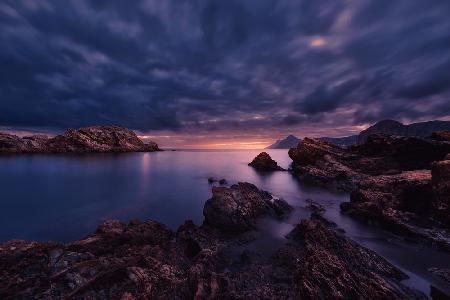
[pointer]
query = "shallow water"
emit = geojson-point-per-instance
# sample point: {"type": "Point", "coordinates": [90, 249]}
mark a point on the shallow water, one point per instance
{"type": "Point", "coordinates": [65, 197]}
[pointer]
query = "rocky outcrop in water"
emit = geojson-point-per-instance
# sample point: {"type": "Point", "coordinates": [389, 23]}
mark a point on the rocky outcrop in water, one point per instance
{"type": "Point", "coordinates": [389, 179]}
{"type": "Point", "coordinates": [83, 140]}
{"type": "Point", "coordinates": [237, 208]}
{"type": "Point", "coordinates": [263, 162]}
{"type": "Point", "coordinates": [146, 260]}
{"type": "Point", "coordinates": [30, 144]}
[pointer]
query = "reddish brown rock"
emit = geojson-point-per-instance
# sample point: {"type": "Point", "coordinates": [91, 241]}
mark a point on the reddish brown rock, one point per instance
{"type": "Point", "coordinates": [99, 139]}
{"type": "Point", "coordinates": [329, 266]}
{"type": "Point", "coordinates": [386, 183]}
{"type": "Point", "coordinates": [146, 260]}
{"type": "Point", "coordinates": [89, 139]}
{"type": "Point", "coordinates": [14, 144]}
{"type": "Point", "coordinates": [263, 162]}
{"type": "Point", "coordinates": [235, 209]}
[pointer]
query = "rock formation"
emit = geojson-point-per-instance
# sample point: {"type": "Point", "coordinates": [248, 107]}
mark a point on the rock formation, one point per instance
{"type": "Point", "coordinates": [390, 182]}
{"type": "Point", "coordinates": [391, 127]}
{"type": "Point", "coordinates": [83, 140]}
{"type": "Point", "coordinates": [146, 260]}
{"type": "Point", "coordinates": [263, 162]}
{"type": "Point", "coordinates": [237, 208]}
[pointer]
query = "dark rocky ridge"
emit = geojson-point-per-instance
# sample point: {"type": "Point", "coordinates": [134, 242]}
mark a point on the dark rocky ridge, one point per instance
{"type": "Point", "coordinates": [263, 162]}
{"type": "Point", "coordinates": [146, 260]}
{"type": "Point", "coordinates": [83, 140]}
{"type": "Point", "coordinates": [391, 127]}
{"type": "Point", "coordinates": [389, 179]}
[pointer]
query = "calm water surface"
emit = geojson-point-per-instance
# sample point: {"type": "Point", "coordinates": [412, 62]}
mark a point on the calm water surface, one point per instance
{"type": "Point", "coordinates": [64, 198]}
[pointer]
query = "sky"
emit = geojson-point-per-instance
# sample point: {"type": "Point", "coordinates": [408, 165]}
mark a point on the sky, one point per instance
{"type": "Point", "coordinates": [223, 74]}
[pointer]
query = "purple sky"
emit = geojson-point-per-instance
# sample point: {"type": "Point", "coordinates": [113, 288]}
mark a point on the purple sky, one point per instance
{"type": "Point", "coordinates": [223, 74]}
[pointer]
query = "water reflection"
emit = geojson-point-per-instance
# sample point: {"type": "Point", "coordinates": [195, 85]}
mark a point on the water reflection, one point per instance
{"type": "Point", "coordinates": [65, 197]}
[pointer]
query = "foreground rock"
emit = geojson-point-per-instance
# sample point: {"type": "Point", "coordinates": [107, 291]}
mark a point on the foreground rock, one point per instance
{"type": "Point", "coordinates": [146, 260]}
{"type": "Point", "coordinates": [390, 181]}
{"type": "Point", "coordinates": [263, 162]}
{"type": "Point", "coordinates": [89, 139]}
{"type": "Point", "coordinates": [237, 208]}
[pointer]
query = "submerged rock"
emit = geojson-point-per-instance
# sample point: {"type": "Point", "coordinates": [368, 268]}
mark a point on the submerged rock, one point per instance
{"type": "Point", "coordinates": [222, 181]}
{"type": "Point", "coordinates": [263, 162]}
{"type": "Point", "coordinates": [88, 139]}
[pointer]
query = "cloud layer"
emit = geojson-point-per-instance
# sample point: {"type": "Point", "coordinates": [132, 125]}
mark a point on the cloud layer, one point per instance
{"type": "Point", "coordinates": [195, 67]}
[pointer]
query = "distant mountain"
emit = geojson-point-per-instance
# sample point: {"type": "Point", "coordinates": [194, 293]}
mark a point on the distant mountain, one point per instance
{"type": "Point", "coordinates": [422, 129]}
{"type": "Point", "coordinates": [287, 143]}
{"type": "Point", "coordinates": [342, 141]}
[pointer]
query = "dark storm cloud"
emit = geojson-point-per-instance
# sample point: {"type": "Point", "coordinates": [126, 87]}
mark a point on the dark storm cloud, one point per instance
{"type": "Point", "coordinates": [222, 65]}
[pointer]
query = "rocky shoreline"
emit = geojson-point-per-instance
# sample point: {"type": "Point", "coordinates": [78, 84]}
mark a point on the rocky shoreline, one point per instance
{"type": "Point", "coordinates": [399, 183]}
{"type": "Point", "coordinates": [94, 139]}
{"type": "Point", "coordinates": [142, 260]}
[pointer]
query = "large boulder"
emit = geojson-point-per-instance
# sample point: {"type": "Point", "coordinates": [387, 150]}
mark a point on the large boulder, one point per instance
{"type": "Point", "coordinates": [263, 162]}
{"type": "Point", "coordinates": [236, 209]}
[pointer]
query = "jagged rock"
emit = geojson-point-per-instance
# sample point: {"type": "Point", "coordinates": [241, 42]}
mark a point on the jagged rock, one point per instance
{"type": "Point", "coordinates": [89, 139]}
{"type": "Point", "coordinates": [263, 162]}
{"type": "Point", "coordinates": [386, 184]}
{"type": "Point", "coordinates": [235, 209]}
{"type": "Point", "coordinates": [315, 207]}
{"type": "Point", "coordinates": [402, 153]}
{"type": "Point", "coordinates": [329, 266]}
{"type": "Point", "coordinates": [391, 127]}
{"type": "Point", "coordinates": [146, 260]}
{"type": "Point", "coordinates": [99, 139]}
{"type": "Point", "coordinates": [14, 144]}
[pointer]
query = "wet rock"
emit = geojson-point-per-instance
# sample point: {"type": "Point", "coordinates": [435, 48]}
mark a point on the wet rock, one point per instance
{"type": "Point", "coordinates": [145, 260]}
{"type": "Point", "coordinates": [263, 162]}
{"type": "Point", "coordinates": [88, 139]}
{"type": "Point", "coordinates": [386, 183]}
{"type": "Point", "coordinates": [281, 207]}
{"type": "Point", "coordinates": [222, 181]}
{"type": "Point", "coordinates": [235, 209]}
{"type": "Point", "coordinates": [315, 207]}
{"type": "Point", "coordinates": [442, 273]}
{"type": "Point", "coordinates": [329, 266]}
